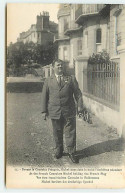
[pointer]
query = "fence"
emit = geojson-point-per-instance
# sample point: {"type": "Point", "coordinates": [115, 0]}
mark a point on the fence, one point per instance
{"type": "Point", "coordinates": [103, 81]}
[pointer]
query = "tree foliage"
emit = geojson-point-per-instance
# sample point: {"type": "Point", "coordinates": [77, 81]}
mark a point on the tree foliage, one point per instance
{"type": "Point", "coordinates": [27, 53]}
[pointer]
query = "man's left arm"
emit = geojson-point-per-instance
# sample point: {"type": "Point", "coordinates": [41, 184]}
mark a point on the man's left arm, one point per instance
{"type": "Point", "coordinates": [77, 94]}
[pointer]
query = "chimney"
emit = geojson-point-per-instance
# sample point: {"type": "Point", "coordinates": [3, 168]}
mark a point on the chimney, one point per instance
{"type": "Point", "coordinates": [46, 21]}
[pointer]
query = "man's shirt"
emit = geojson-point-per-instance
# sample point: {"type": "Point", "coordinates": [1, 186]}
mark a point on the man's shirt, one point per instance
{"type": "Point", "coordinates": [59, 78]}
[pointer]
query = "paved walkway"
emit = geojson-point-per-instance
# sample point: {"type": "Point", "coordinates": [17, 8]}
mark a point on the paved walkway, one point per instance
{"type": "Point", "coordinates": [30, 139]}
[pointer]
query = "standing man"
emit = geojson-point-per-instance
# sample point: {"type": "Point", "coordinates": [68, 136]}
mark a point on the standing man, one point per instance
{"type": "Point", "coordinates": [59, 91]}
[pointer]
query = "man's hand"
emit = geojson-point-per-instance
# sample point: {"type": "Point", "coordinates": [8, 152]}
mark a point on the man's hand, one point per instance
{"type": "Point", "coordinates": [44, 116]}
{"type": "Point", "coordinates": [79, 109]}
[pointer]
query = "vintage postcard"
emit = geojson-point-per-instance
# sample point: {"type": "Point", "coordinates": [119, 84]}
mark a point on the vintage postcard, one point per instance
{"type": "Point", "coordinates": [65, 92]}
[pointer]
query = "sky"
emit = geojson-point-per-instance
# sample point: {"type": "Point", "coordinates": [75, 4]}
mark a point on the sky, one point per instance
{"type": "Point", "coordinates": [20, 16]}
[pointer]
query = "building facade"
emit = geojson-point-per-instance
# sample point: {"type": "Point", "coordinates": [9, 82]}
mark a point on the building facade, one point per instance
{"type": "Point", "coordinates": [40, 33]}
{"type": "Point", "coordinates": [82, 31]}
{"type": "Point", "coordinates": [117, 29]}
{"type": "Point", "coordinates": [85, 29]}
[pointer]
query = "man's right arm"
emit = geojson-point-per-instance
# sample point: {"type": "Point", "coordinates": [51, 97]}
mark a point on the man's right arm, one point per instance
{"type": "Point", "coordinates": [45, 97]}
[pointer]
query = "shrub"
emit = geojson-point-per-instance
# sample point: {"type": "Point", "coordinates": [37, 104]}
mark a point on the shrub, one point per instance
{"type": "Point", "coordinates": [102, 57]}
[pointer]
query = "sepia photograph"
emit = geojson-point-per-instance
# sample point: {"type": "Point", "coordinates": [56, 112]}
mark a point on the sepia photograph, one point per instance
{"type": "Point", "coordinates": [65, 92]}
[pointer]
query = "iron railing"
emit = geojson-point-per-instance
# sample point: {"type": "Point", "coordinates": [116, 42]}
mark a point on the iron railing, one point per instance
{"type": "Point", "coordinates": [103, 81]}
{"type": "Point", "coordinates": [87, 9]}
{"type": "Point", "coordinates": [78, 12]}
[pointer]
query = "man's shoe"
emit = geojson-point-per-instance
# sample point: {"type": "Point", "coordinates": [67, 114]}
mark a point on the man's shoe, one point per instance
{"type": "Point", "coordinates": [73, 158]}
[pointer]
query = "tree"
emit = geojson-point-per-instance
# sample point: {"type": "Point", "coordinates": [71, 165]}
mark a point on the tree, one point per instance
{"type": "Point", "coordinates": [45, 54]}
{"type": "Point", "coordinates": [20, 53]}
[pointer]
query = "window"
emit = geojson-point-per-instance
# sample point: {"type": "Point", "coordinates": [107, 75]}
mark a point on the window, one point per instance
{"type": "Point", "coordinates": [85, 42]}
{"type": "Point", "coordinates": [66, 24]}
{"type": "Point", "coordinates": [98, 36]}
{"type": "Point", "coordinates": [38, 35]}
{"type": "Point", "coordinates": [79, 46]}
{"type": "Point", "coordinates": [59, 53]}
{"type": "Point", "coordinates": [86, 39]}
{"type": "Point", "coordinates": [48, 71]}
{"type": "Point", "coordinates": [65, 53]}
{"type": "Point", "coordinates": [117, 31]}
{"type": "Point", "coordinates": [98, 40]}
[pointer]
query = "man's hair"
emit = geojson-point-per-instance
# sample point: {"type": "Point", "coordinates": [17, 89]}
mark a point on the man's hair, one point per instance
{"type": "Point", "coordinates": [57, 61]}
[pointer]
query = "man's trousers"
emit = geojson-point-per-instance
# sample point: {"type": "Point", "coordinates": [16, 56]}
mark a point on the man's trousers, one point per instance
{"type": "Point", "coordinates": [68, 127]}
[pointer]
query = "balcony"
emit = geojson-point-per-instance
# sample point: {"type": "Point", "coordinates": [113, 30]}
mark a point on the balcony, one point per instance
{"type": "Point", "coordinates": [60, 37]}
{"type": "Point", "coordinates": [86, 10]}
{"type": "Point", "coordinates": [71, 27]}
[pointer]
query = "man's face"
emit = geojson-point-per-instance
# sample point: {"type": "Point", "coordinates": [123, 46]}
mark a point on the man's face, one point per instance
{"type": "Point", "coordinates": [58, 68]}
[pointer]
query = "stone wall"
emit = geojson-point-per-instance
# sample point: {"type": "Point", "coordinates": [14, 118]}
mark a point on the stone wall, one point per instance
{"type": "Point", "coordinates": [109, 116]}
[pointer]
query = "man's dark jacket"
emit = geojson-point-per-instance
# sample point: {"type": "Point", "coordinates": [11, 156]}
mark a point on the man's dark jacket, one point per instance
{"type": "Point", "coordinates": [57, 100]}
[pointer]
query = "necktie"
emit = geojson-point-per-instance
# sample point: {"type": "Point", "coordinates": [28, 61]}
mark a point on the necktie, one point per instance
{"type": "Point", "coordinates": [59, 80]}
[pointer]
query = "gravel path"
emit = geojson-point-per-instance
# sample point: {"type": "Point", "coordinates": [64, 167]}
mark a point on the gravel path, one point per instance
{"type": "Point", "coordinates": [29, 139]}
